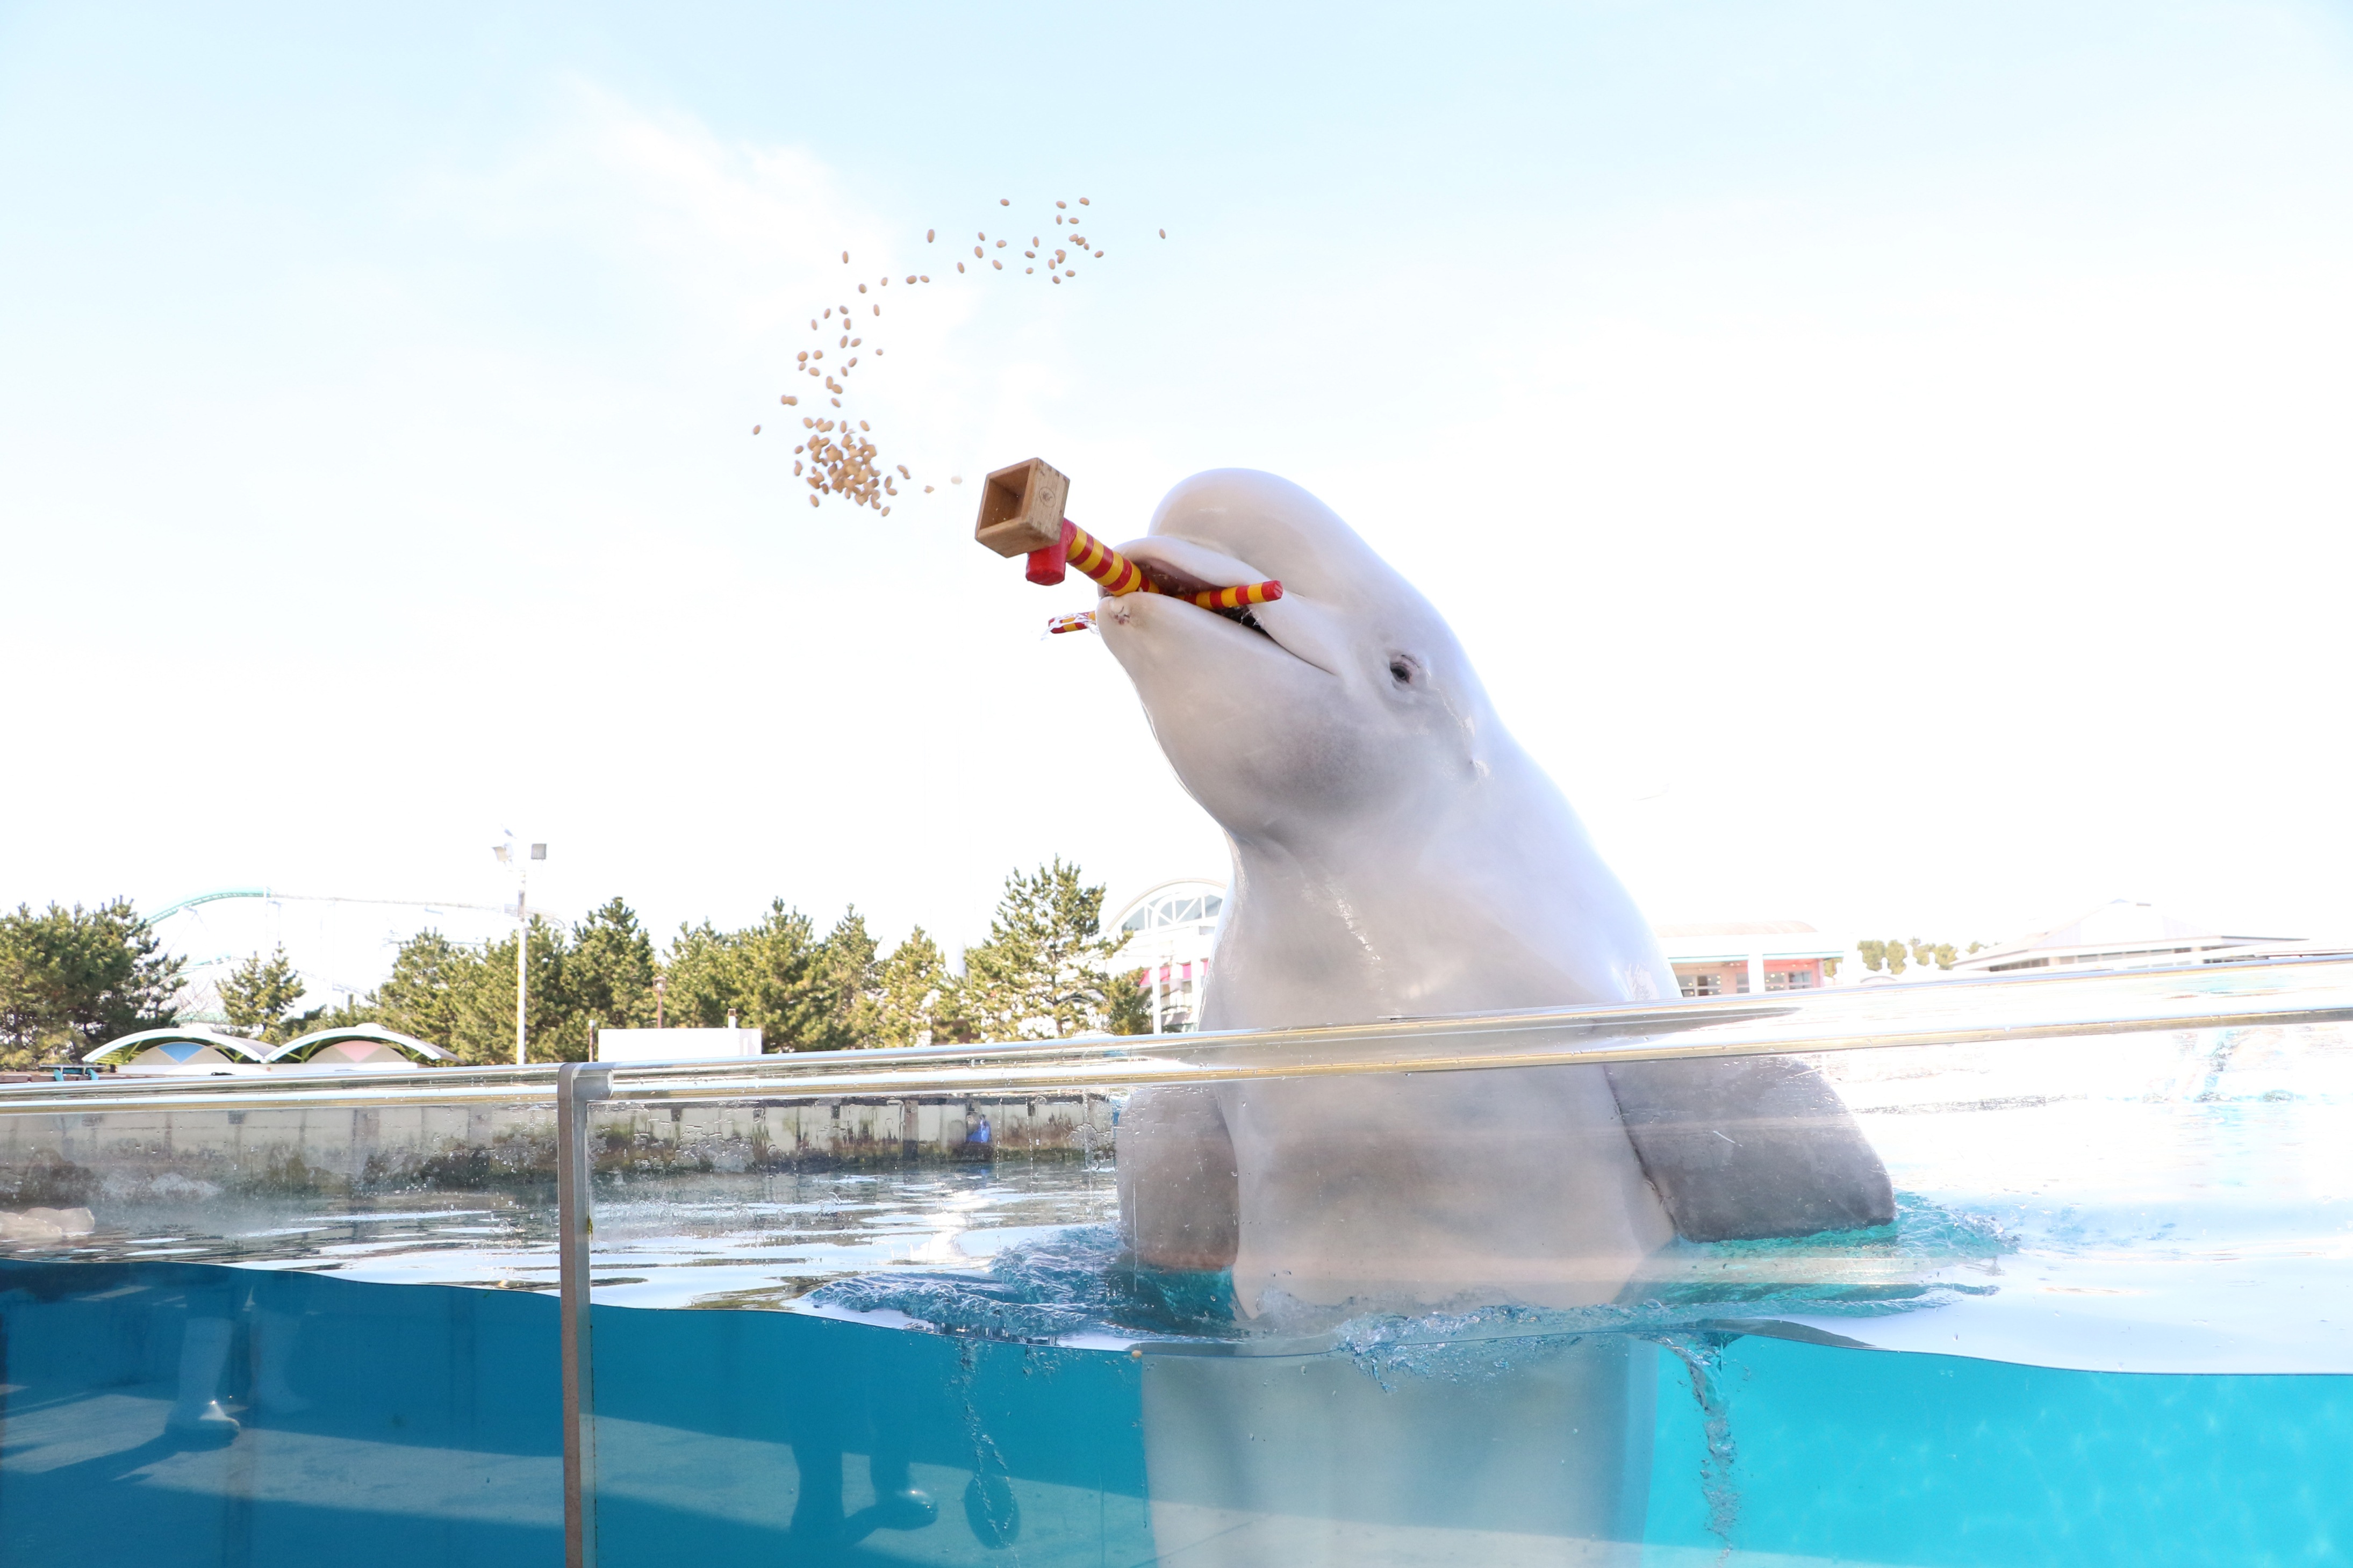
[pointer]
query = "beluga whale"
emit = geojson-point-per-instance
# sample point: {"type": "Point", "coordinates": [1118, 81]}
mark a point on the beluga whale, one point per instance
{"type": "Point", "coordinates": [1395, 855]}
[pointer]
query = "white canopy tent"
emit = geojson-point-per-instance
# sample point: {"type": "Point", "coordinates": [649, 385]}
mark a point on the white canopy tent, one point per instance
{"type": "Point", "coordinates": [178, 1051]}
{"type": "Point", "coordinates": [357, 1047]}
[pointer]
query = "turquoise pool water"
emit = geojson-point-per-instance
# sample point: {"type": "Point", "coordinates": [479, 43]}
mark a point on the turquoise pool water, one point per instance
{"type": "Point", "coordinates": [422, 1425]}
{"type": "Point", "coordinates": [418, 1423]}
{"type": "Point", "coordinates": [2105, 1329]}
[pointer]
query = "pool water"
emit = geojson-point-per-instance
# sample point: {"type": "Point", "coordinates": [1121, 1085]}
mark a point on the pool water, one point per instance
{"type": "Point", "coordinates": [2108, 1326]}
{"type": "Point", "coordinates": [416, 1423]}
{"type": "Point", "coordinates": [408, 1424]}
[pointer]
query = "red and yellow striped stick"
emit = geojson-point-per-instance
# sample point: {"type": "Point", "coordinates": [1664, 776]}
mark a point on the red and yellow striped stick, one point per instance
{"type": "Point", "coordinates": [1240, 597]}
{"type": "Point", "coordinates": [1094, 559]}
{"type": "Point", "coordinates": [1118, 576]}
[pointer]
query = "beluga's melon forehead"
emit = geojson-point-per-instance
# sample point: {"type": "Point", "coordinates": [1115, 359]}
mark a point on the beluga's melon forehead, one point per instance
{"type": "Point", "coordinates": [1284, 532]}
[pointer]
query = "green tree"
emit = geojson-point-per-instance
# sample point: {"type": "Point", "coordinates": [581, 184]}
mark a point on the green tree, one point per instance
{"type": "Point", "coordinates": [461, 997]}
{"type": "Point", "coordinates": [757, 974]}
{"type": "Point", "coordinates": [1127, 1004]}
{"type": "Point", "coordinates": [608, 976]}
{"type": "Point", "coordinates": [837, 1008]}
{"type": "Point", "coordinates": [72, 979]}
{"type": "Point", "coordinates": [803, 993]}
{"type": "Point", "coordinates": [259, 995]}
{"type": "Point", "coordinates": [486, 1017]}
{"type": "Point", "coordinates": [1895, 954]}
{"type": "Point", "coordinates": [1943, 954]}
{"type": "Point", "coordinates": [427, 994]}
{"type": "Point", "coordinates": [703, 979]}
{"type": "Point", "coordinates": [911, 994]}
{"type": "Point", "coordinates": [339, 1014]}
{"type": "Point", "coordinates": [1040, 974]}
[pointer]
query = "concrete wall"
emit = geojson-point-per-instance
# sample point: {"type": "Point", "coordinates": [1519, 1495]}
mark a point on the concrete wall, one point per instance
{"type": "Point", "coordinates": [64, 1159]}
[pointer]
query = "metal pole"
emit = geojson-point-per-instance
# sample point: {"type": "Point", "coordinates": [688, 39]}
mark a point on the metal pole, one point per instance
{"type": "Point", "coordinates": [578, 1085]}
{"type": "Point", "coordinates": [523, 949]}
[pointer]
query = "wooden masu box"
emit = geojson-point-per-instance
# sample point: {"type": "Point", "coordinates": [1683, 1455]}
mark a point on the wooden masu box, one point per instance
{"type": "Point", "coordinates": [1021, 508]}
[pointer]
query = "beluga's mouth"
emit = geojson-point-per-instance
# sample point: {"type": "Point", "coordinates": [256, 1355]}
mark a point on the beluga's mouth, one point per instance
{"type": "Point", "coordinates": [1163, 578]}
{"type": "Point", "coordinates": [1021, 514]}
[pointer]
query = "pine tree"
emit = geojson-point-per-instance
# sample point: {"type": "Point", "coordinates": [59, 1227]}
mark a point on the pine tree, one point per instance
{"type": "Point", "coordinates": [427, 992]}
{"type": "Point", "coordinates": [1040, 974]}
{"type": "Point", "coordinates": [71, 979]}
{"type": "Point", "coordinates": [836, 1009]}
{"type": "Point", "coordinates": [760, 975]}
{"type": "Point", "coordinates": [486, 1012]}
{"type": "Point", "coordinates": [705, 975]}
{"type": "Point", "coordinates": [1128, 1005]}
{"type": "Point", "coordinates": [259, 995]}
{"type": "Point", "coordinates": [911, 993]}
{"type": "Point", "coordinates": [802, 993]}
{"type": "Point", "coordinates": [608, 975]}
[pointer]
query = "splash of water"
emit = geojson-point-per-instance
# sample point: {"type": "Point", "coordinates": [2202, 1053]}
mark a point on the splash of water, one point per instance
{"type": "Point", "coordinates": [1080, 1279]}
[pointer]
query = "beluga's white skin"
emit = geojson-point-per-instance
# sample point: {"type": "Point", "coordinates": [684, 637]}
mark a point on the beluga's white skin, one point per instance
{"type": "Point", "coordinates": [1396, 853]}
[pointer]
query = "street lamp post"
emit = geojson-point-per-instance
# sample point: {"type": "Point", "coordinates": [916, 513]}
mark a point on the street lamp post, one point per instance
{"type": "Point", "coordinates": [505, 852]}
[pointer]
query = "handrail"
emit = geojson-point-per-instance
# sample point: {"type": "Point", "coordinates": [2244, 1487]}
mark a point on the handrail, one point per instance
{"type": "Point", "coordinates": [2271, 993]}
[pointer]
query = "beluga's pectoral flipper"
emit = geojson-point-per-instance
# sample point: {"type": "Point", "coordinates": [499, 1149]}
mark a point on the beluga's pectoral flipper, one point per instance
{"type": "Point", "coordinates": [1751, 1148]}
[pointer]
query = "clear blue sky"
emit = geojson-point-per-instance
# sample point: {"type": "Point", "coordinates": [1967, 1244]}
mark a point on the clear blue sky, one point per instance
{"type": "Point", "coordinates": [1887, 461]}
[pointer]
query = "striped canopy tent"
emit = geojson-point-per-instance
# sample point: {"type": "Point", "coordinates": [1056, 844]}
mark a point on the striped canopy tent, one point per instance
{"type": "Point", "coordinates": [182, 1050]}
{"type": "Point", "coordinates": [357, 1047]}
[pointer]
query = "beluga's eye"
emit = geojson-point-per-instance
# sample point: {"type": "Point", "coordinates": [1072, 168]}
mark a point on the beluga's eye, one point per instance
{"type": "Point", "coordinates": [1401, 669]}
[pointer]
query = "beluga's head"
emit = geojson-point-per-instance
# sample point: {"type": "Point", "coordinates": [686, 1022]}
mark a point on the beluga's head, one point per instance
{"type": "Point", "coordinates": [1345, 704]}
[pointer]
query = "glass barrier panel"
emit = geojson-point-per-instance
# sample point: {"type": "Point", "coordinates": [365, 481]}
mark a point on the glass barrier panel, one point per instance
{"type": "Point", "coordinates": [257, 1333]}
{"type": "Point", "coordinates": [738, 1239]}
{"type": "Point", "coordinates": [1565, 1312]}
{"type": "Point", "coordinates": [1954, 1274]}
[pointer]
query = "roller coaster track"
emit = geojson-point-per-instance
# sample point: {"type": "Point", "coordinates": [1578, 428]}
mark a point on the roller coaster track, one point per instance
{"type": "Point", "coordinates": [168, 910]}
